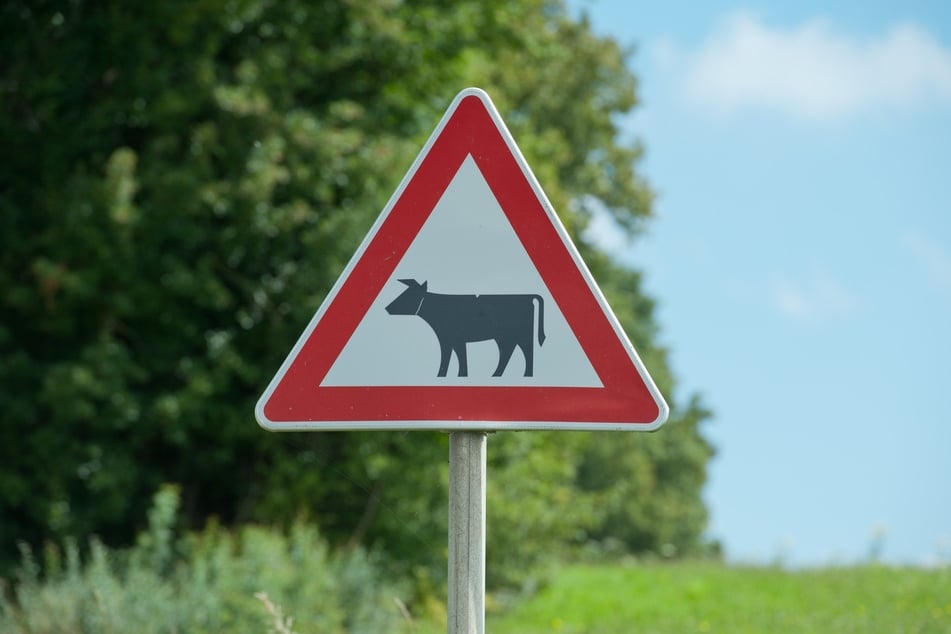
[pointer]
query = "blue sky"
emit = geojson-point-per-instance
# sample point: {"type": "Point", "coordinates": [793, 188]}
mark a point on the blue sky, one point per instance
{"type": "Point", "coordinates": [801, 260]}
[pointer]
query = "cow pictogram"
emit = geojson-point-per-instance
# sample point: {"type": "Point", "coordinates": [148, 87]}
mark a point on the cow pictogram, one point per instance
{"type": "Point", "coordinates": [460, 319]}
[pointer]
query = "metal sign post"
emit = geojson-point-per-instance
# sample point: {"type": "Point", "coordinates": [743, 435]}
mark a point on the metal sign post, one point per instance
{"type": "Point", "coordinates": [467, 476]}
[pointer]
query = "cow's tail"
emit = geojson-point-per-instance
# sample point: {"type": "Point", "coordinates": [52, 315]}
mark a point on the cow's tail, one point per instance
{"type": "Point", "coordinates": [541, 318]}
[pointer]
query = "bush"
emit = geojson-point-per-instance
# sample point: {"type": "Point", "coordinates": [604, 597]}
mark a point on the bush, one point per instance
{"type": "Point", "coordinates": [255, 579]}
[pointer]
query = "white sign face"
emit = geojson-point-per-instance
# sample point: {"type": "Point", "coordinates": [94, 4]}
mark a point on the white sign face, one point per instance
{"type": "Point", "coordinates": [465, 307]}
{"type": "Point", "coordinates": [466, 247]}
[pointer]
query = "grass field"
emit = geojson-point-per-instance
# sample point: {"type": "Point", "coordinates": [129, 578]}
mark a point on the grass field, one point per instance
{"type": "Point", "coordinates": [678, 598]}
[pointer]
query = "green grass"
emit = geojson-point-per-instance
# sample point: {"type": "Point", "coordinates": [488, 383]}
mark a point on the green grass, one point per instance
{"type": "Point", "coordinates": [707, 597]}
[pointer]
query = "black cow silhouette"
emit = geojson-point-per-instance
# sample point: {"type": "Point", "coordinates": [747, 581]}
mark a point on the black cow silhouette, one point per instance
{"type": "Point", "coordinates": [459, 319]}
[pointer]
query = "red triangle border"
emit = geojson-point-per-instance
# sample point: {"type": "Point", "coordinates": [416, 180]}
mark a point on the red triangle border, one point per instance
{"type": "Point", "coordinates": [629, 399]}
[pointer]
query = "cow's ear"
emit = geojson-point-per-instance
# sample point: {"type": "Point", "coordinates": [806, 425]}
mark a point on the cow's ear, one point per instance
{"type": "Point", "coordinates": [424, 284]}
{"type": "Point", "coordinates": [409, 282]}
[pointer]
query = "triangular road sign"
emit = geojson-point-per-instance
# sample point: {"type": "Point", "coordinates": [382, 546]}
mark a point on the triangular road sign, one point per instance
{"type": "Point", "coordinates": [465, 307]}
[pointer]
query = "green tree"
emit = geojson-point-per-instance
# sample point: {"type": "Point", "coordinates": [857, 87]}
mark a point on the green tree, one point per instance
{"type": "Point", "coordinates": [181, 184]}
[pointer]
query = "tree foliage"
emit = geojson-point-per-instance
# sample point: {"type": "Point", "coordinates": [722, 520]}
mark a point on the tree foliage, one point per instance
{"type": "Point", "coordinates": [181, 184]}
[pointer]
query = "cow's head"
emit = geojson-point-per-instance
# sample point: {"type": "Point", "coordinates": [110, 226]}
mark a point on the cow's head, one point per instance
{"type": "Point", "coordinates": [409, 301]}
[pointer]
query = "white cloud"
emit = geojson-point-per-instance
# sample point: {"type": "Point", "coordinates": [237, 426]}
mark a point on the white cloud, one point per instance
{"type": "Point", "coordinates": [792, 302]}
{"type": "Point", "coordinates": [604, 231]}
{"type": "Point", "coordinates": [818, 298]}
{"type": "Point", "coordinates": [935, 259]}
{"type": "Point", "coordinates": [814, 71]}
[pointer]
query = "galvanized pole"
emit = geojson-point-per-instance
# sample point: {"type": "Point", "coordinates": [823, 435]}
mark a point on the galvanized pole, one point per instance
{"type": "Point", "coordinates": [466, 605]}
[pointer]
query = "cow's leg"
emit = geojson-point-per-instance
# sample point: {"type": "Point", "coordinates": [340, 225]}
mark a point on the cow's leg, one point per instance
{"type": "Point", "coordinates": [505, 353]}
{"type": "Point", "coordinates": [445, 351]}
{"type": "Point", "coordinates": [461, 356]}
{"type": "Point", "coordinates": [528, 351]}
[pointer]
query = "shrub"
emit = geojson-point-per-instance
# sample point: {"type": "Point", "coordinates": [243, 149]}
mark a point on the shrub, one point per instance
{"type": "Point", "coordinates": [255, 579]}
